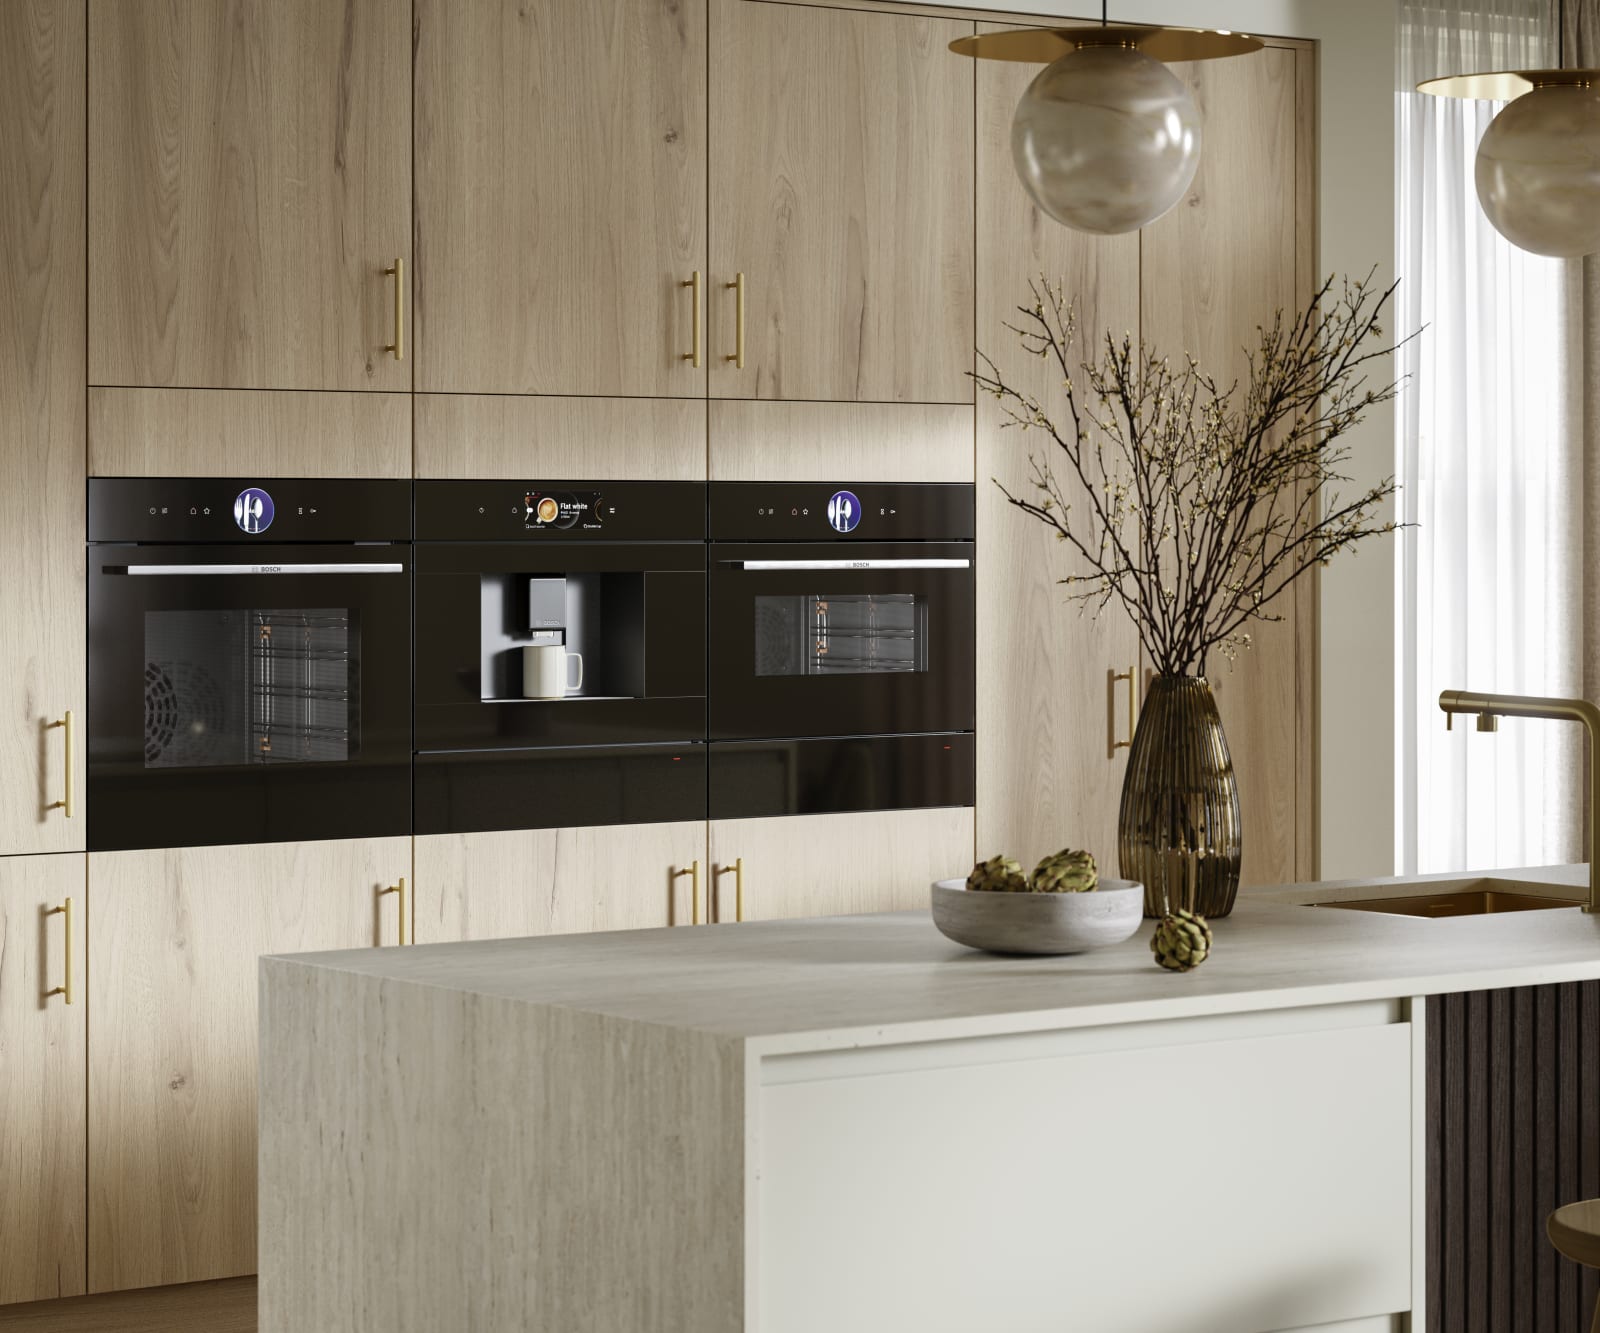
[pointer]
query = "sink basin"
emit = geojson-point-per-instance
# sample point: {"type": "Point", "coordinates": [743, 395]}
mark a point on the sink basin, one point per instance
{"type": "Point", "coordinates": [1478, 897]}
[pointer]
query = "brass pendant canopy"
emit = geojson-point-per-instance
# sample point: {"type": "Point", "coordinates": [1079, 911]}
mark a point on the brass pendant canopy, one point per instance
{"type": "Point", "coordinates": [1042, 46]}
{"type": "Point", "coordinates": [1506, 85]}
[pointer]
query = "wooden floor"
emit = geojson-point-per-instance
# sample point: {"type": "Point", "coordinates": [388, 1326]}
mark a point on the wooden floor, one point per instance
{"type": "Point", "coordinates": [201, 1307]}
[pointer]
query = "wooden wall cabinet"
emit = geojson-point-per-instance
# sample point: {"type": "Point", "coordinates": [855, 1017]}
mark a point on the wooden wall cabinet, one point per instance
{"type": "Point", "coordinates": [483, 886]}
{"type": "Point", "coordinates": [250, 185]}
{"type": "Point", "coordinates": [42, 1089]}
{"type": "Point", "coordinates": [172, 1066]}
{"type": "Point", "coordinates": [835, 865]}
{"type": "Point", "coordinates": [838, 442]}
{"type": "Point", "coordinates": [841, 188]}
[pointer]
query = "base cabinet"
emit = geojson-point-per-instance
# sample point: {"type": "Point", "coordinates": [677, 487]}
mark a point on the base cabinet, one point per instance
{"type": "Point", "coordinates": [42, 1093]}
{"type": "Point", "coordinates": [835, 865]}
{"type": "Point", "coordinates": [172, 1067]}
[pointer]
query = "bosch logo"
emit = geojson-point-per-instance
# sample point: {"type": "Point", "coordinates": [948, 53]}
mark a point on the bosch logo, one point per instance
{"type": "Point", "coordinates": [253, 510]}
{"type": "Point", "coordinates": [844, 511]}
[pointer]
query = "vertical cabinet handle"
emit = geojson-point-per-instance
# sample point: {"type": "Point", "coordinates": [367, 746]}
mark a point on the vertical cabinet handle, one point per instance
{"type": "Point", "coordinates": [67, 804]}
{"type": "Point", "coordinates": [737, 871]}
{"type": "Point", "coordinates": [694, 887]}
{"type": "Point", "coordinates": [737, 287]}
{"type": "Point", "coordinates": [398, 273]}
{"type": "Point", "coordinates": [66, 989]}
{"type": "Point", "coordinates": [1133, 708]}
{"type": "Point", "coordinates": [403, 898]}
{"type": "Point", "coordinates": [694, 357]}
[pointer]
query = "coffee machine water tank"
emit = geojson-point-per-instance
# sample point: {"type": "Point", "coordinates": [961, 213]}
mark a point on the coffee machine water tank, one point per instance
{"type": "Point", "coordinates": [547, 610]}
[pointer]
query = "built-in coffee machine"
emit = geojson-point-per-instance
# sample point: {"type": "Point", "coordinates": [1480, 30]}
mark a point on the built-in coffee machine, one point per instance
{"type": "Point", "coordinates": [560, 654]}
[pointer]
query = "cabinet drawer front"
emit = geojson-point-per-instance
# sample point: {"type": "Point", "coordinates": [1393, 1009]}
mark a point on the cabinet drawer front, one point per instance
{"type": "Point", "coordinates": [1257, 1183]}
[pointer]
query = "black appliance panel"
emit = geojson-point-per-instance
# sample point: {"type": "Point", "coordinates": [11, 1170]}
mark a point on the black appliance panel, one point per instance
{"type": "Point", "coordinates": [237, 707]}
{"type": "Point", "coordinates": [248, 511]}
{"type": "Point", "coordinates": [758, 779]}
{"type": "Point", "coordinates": [537, 510]}
{"type": "Point", "coordinates": [839, 647]}
{"type": "Point", "coordinates": [795, 511]}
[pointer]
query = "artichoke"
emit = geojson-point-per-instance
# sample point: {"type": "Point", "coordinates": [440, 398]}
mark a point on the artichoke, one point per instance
{"type": "Point", "coordinates": [1066, 872]}
{"type": "Point", "coordinates": [1182, 941]}
{"type": "Point", "coordinates": [999, 874]}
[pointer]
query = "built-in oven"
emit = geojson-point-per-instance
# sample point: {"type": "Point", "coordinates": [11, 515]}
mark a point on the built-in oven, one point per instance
{"type": "Point", "coordinates": [841, 635]}
{"type": "Point", "coordinates": [249, 661]}
{"type": "Point", "coordinates": [560, 654]}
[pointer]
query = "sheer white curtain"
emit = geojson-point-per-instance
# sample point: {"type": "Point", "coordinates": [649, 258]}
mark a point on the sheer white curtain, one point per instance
{"type": "Point", "coordinates": [1492, 574]}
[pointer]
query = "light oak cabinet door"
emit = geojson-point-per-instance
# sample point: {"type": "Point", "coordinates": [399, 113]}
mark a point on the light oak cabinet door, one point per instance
{"type": "Point", "coordinates": [250, 183]}
{"type": "Point", "coordinates": [484, 886]}
{"type": "Point", "coordinates": [836, 865]}
{"type": "Point", "coordinates": [561, 195]}
{"type": "Point", "coordinates": [1224, 261]}
{"type": "Point", "coordinates": [172, 1066]}
{"type": "Point", "coordinates": [1050, 711]}
{"type": "Point", "coordinates": [41, 422]}
{"type": "Point", "coordinates": [42, 1093]}
{"type": "Point", "coordinates": [841, 188]}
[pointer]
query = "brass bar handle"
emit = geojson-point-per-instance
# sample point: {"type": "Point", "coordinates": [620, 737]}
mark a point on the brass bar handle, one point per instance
{"type": "Point", "coordinates": [398, 273]}
{"type": "Point", "coordinates": [1133, 708]}
{"type": "Point", "coordinates": [737, 286]}
{"type": "Point", "coordinates": [67, 989]}
{"type": "Point", "coordinates": [694, 357]}
{"type": "Point", "coordinates": [737, 871]}
{"type": "Point", "coordinates": [694, 886]}
{"type": "Point", "coordinates": [68, 803]}
{"type": "Point", "coordinates": [403, 898]}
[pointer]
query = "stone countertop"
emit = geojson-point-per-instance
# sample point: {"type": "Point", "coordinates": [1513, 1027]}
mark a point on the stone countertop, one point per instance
{"type": "Point", "coordinates": [828, 983]}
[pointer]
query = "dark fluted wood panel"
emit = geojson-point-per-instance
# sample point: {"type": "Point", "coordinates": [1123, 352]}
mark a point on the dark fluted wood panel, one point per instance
{"type": "Point", "coordinates": [1513, 1132]}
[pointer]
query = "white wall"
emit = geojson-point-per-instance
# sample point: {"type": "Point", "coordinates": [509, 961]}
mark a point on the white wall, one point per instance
{"type": "Point", "coordinates": [1356, 224]}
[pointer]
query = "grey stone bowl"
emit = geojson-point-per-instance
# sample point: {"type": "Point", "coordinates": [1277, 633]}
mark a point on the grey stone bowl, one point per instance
{"type": "Point", "coordinates": [1038, 923]}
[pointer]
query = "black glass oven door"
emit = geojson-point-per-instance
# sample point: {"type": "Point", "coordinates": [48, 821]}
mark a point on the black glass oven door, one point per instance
{"type": "Point", "coordinates": [256, 696]}
{"type": "Point", "coordinates": [814, 641]}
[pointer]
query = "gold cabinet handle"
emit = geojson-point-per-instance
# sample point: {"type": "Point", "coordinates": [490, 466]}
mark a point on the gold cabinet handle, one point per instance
{"type": "Point", "coordinates": [694, 886]}
{"type": "Point", "coordinates": [67, 804]}
{"type": "Point", "coordinates": [403, 897]}
{"type": "Point", "coordinates": [737, 871]}
{"type": "Point", "coordinates": [694, 357]}
{"type": "Point", "coordinates": [66, 989]}
{"type": "Point", "coordinates": [1133, 707]}
{"type": "Point", "coordinates": [737, 287]}
{"type": "Point", "coordinates": [398, 273]}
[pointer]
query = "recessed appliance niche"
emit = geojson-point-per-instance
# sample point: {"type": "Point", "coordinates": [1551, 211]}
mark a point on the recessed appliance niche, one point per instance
{"type": "Point", "coordinates": [596, 616]}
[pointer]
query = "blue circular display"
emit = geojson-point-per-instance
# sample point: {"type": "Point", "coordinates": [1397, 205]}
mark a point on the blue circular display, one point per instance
{"type": "Point", "coordinates": [252, 511]}
{"type": "Point", "coordinates": [844, 512]}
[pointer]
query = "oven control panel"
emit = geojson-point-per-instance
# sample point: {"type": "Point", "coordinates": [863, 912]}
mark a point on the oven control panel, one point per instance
{"type": "Point", "coordinates": [561, 511]}
{"type": "Point", "coordinates": [247, 510]}
{"type": "Point", "coordinates": [856, 511]}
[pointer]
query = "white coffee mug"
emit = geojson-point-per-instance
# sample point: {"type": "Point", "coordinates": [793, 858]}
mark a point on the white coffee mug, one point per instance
{"type": "Point", "coordinates": [544, 671]}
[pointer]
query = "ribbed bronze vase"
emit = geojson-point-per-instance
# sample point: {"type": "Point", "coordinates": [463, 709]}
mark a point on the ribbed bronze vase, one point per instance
{"type": "Point", "coordinates": [1178, 828]}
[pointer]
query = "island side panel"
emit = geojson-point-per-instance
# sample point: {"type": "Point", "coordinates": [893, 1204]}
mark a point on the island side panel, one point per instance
{"type": "Point", "coordinates": [434, 1159]}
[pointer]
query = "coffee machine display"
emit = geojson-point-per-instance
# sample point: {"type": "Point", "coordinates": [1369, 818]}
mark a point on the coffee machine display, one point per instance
{"type": "Point", "coordinates": [560, 656]}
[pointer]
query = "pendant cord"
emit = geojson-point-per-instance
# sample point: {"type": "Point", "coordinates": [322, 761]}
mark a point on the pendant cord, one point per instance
{"type": "Point", "coordinates": [1105, 9]}
{"type": "Point", "coordinates": [1561, 34]}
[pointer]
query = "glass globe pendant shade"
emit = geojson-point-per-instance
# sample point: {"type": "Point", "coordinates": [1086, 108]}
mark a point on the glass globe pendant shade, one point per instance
{"type": "Point", "coordinates": [1538, 171]}
{"type": "Point", "coordinates": [1106, 139]}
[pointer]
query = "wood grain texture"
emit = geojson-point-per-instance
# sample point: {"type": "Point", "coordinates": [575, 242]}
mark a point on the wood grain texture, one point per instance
{"type": "Point", "coordinates": [218, 432]}
{"type": "Point", "coordinates": [589, 439]}
{"type": "Point", "coordinates": [829, 865]}
{"type": "Point", "coordinates": [42, 1092]}
{"type": "Point", "coordinates": [227, 1306]}
{"type": "Point", "coordinates": [763, 441]}
{"type": "Point", "coordinates": [841, 187]}
{"type": "Point", "coordinates": [41, 417]}
{"type": "Point", "coordinates": [561, 195]}
{"type": "Point", "coordinates": [172, 1069]}
{"type": "Point", "coordinates": [250, 181]}
{"type": "Point", "coordinates": [1048, 710]}
{"type": "Point", "coordinates": [1222, 262]}
{"type": "Point", "coordinates": [443, 1160]}
{"type": "Point", "coordinates": [482, 886]}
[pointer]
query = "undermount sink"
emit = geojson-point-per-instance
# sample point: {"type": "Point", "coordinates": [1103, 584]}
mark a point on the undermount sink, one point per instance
{"type": "Point", "coordinates": [1478, 897]}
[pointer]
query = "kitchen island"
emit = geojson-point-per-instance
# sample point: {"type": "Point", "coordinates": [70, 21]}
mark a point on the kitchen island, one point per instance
{"type": "Point", "coordinates": [852, 1123]}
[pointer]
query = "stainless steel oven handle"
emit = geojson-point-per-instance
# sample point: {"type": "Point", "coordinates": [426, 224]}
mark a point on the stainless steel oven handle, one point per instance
{"type": "Point", "coordinates": [186, 570]}
{"type": "Point", "coordinates": [760, 565]}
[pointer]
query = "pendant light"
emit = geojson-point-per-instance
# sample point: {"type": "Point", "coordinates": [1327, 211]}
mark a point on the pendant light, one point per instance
{"type": "Point", "coordinates": [1538, 167]}
{"type": "Point", "coordinates": [1106, 138]}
